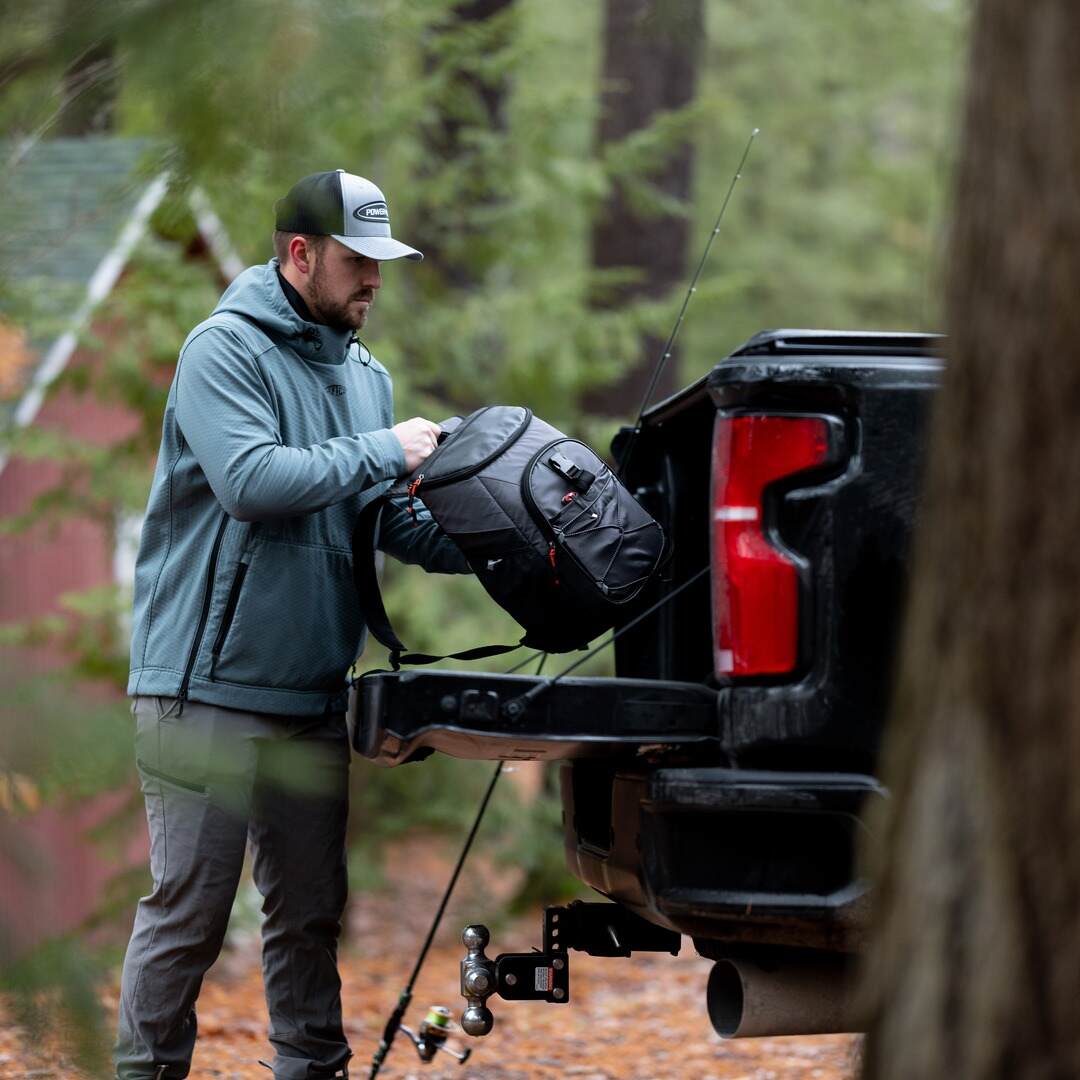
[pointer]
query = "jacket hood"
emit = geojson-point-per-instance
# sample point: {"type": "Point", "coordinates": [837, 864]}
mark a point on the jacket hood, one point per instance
{"type": "Point", "coordinates": [256, 294]}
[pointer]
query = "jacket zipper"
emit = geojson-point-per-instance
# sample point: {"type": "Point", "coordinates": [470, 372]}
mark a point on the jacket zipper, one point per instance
{"type": "Point", "coordinates": [227, 617]}
{"type": "Point", "coordinates": [207, 596]}
{"type": "Point", "coordinates": [476, 466]}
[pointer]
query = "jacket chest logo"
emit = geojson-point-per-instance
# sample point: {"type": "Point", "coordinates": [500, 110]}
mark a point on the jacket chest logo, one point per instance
{"type": "Point", "coordinates": [336, 390]}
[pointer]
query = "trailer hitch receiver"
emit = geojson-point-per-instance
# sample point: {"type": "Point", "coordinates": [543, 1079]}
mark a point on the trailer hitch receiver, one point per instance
{"type": "Point", "coordinates": [596, 929]}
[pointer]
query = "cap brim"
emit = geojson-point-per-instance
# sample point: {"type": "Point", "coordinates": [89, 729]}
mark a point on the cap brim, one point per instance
{"type": "Point", "coordinates": [381, 248]}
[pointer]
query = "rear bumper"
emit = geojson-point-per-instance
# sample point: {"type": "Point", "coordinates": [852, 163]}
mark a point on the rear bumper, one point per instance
{"type": "Point", "coordinates": [653, 817]}
{"type": "Point", "coordinates": [395, 717]}
{"type": "Point", "coordinates": [729, 855]}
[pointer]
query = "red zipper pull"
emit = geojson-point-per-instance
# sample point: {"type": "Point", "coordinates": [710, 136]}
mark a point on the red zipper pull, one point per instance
{"type": "Point", "coordinates": [551, 559]}
{"type": "Point", "coordinates": [412, 488]}
{"type": "Point", "coordinates": [569, 497]}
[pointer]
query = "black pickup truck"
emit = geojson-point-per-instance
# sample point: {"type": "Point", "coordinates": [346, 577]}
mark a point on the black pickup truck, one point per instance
{"type": "Point", "coordinates": [715, 787]}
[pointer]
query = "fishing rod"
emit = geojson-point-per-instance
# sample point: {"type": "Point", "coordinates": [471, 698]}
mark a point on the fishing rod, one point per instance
{"type": "Point", "coordinates": [394, 1023]}
{"type": "Point", "coordinates": [512, 709]}
{"type": "Point", "coordinates": [665, 352]}
{"type": "Point", "coordinates": [435, 1030]}
{"type": "Point", "coordinates": [517, 706]}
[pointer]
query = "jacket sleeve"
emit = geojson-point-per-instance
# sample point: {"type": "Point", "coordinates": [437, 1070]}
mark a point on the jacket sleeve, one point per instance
{"type": "Point", "coordinates": [422, 543]}
{"type": "Point", "coordinates": [226, 414]}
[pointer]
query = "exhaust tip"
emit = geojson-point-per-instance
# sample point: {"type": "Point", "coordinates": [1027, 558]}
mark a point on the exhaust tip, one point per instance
{"type": "Point", "coordinates": [782, 994]}
{"type": "Point", "coordinates": [725, 998]}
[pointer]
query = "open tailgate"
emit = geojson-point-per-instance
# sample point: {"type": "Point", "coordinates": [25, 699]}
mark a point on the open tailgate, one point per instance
{"type": "Point", "coordinates": [395, 717]}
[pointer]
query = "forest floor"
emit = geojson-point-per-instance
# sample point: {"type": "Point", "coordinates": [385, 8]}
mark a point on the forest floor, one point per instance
{"type": "Point", "coordinates": [641, 1018]}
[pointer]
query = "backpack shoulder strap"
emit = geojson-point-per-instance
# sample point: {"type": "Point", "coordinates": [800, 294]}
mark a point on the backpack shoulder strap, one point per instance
{"type": "Point", "coordinates": [367, 579]}
{"type": "Point", "coordinates": [371, 602]}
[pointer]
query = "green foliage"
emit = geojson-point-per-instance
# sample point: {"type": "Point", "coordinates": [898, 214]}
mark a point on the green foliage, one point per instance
{"type": "Point", "coordinates": [57, 985]}
{"type": "Point", "coordinates": [836, 222]}
{"type": "Point", "coordinates": [72, 743]}
{"type": "Point", "coordinates": [839, 216]}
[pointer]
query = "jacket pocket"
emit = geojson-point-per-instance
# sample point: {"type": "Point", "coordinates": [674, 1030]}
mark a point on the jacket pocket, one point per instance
{"type": "Point", "coordinates": [295, 623]}
{"type": "Point", "coordinates": [228, 615]}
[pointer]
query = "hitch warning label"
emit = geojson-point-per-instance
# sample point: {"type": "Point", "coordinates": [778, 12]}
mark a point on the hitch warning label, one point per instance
{"type": "Point", "coordinates": [542, 979]}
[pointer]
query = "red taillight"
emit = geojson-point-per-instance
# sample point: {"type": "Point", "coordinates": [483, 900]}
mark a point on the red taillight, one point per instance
{"type": "Point", "coordinates": [755, 586]}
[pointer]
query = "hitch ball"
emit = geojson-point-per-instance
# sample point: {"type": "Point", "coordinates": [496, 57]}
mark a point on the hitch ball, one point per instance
{"type": "Point", "coordinates": [477, 981]}
{"type": "Point", "coordinates": [477, 1020]}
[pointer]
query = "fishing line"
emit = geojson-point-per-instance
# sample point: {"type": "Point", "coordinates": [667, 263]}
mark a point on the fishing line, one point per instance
{"type": "Point", "coordinates": [517, 706]}
{"type": "Point", "coordinates": [665, 353]}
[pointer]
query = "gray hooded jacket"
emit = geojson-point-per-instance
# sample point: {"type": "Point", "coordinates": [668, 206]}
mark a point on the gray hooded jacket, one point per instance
{"type": "Point", "coordinates": [276, 433]}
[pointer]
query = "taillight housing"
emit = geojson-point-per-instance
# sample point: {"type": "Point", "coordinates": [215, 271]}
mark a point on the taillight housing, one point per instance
{"type": "Point", "coordinates": [755, 585]}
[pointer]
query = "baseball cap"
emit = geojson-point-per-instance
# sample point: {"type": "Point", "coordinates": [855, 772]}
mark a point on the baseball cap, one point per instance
{"type": "Point", "coordinates": [349, 208]}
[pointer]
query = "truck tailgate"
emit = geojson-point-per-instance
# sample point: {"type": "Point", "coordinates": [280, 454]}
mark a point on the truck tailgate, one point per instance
{"type": "Point", "coordinates": [396, 716]}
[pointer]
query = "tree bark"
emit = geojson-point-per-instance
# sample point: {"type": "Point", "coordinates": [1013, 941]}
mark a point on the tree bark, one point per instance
{"type": "Point", "coordinates": [976, 968]}
{"type": "Point", "coordinates": [651, 58]}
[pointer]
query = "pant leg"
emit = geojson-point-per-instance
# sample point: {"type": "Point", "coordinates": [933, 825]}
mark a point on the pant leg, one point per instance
{"type": "Point", "coordinates": [197, 772]}
{"type": "Point", "coordinates": [298, 837]}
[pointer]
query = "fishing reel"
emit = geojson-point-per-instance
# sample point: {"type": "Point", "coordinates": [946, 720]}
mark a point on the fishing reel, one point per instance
{"type": "Point", "coordinates": [435, 1029]}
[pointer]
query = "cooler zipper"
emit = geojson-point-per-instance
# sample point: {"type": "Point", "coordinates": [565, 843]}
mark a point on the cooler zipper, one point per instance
{"type": "Point", "coordinates": [412, 490]}
{"type": "Point", "coordinates": [207, 596]}
{"type": "Point", "coordinates": [476, 466]}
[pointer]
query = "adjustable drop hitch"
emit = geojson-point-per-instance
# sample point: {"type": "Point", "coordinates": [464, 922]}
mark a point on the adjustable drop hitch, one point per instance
{"type": "Point", "coordinates": [596, 929]}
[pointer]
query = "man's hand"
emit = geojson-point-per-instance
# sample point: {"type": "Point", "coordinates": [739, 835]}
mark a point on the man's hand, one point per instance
{"type": "Point", "coordinates": [418, 437]}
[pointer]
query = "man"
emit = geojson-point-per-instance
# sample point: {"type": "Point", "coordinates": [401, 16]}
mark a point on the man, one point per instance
{"type": "Point", "coordinates": [278, 429]}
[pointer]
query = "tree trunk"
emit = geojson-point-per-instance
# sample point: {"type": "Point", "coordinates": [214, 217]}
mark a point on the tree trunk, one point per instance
{"type": "Point", "coordinates": [976, 970]}
{"type": "Point", "coordinates": [651, 57]}
{"type": "Point", "coordinates": [469, 102]}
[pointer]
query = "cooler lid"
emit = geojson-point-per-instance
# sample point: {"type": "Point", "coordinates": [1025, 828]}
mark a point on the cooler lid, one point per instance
{"type": "Point", "coordinates": [470, 445]}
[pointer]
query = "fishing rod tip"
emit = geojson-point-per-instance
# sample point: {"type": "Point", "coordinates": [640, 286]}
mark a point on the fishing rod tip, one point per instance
{"type": "Point", "coordinates": [755, 132]}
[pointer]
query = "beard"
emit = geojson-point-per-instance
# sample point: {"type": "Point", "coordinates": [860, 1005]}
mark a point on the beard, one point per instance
{"type": "Point", "coordinates": [336, 313]}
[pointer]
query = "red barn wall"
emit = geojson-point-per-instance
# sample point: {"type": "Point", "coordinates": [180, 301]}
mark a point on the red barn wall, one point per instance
{"type": "Point", "coordinates": [67, 873]}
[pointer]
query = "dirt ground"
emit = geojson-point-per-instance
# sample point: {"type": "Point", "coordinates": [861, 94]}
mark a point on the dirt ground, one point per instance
{"type": "Point", "coordinates": [641, 1018]}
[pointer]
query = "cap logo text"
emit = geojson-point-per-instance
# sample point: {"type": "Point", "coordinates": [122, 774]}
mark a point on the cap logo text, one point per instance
{"type": "Point", "coordinates": [372, 211]}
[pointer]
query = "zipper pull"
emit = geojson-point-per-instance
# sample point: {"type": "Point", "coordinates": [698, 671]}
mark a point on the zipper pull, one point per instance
{"type": "Point", "coordinates": [412, 488]}
{"type": "Point", "coordinates": [569, 497]}
{"type": "Point", "coordinates": [551, 559]}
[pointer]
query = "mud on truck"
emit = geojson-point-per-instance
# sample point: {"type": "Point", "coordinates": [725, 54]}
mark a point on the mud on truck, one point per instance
{"type": "Point", "coordinates": [715, 788]}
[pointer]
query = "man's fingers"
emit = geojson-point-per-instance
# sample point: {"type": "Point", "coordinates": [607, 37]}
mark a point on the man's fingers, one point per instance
{"type": "Point", "coordinates": [418, 437]}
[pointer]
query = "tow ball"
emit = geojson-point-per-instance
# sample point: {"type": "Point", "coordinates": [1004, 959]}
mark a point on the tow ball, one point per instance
{"type": "Point", "coordinates": [596, 929]}
{"type": "Point", "coordinates": [434, 1030]}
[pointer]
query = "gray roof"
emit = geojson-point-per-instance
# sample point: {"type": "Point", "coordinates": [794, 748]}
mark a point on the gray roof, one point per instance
{"type": "Point", "coordinates": [65, 204]}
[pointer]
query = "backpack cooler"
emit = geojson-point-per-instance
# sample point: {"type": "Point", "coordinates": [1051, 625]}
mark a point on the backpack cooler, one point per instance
{"type": "Point", "coordinates": [548, 528]}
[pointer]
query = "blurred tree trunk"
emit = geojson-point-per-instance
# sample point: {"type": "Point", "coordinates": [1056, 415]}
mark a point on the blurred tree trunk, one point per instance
{"type": "Point", "coordinates": [651, 57]}
{"type": "Point", "coordinates": [976, 971]}
{"type": "Point", "coordinates": [472, 102]}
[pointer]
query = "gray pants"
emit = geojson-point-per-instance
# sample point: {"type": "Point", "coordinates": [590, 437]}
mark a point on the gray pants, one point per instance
{"type": "Point", "coordinates": [211, 778]}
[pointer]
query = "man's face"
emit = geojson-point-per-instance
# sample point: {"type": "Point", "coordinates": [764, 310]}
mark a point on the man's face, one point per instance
{"type": "Point", "coordinates": [342, 286]}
